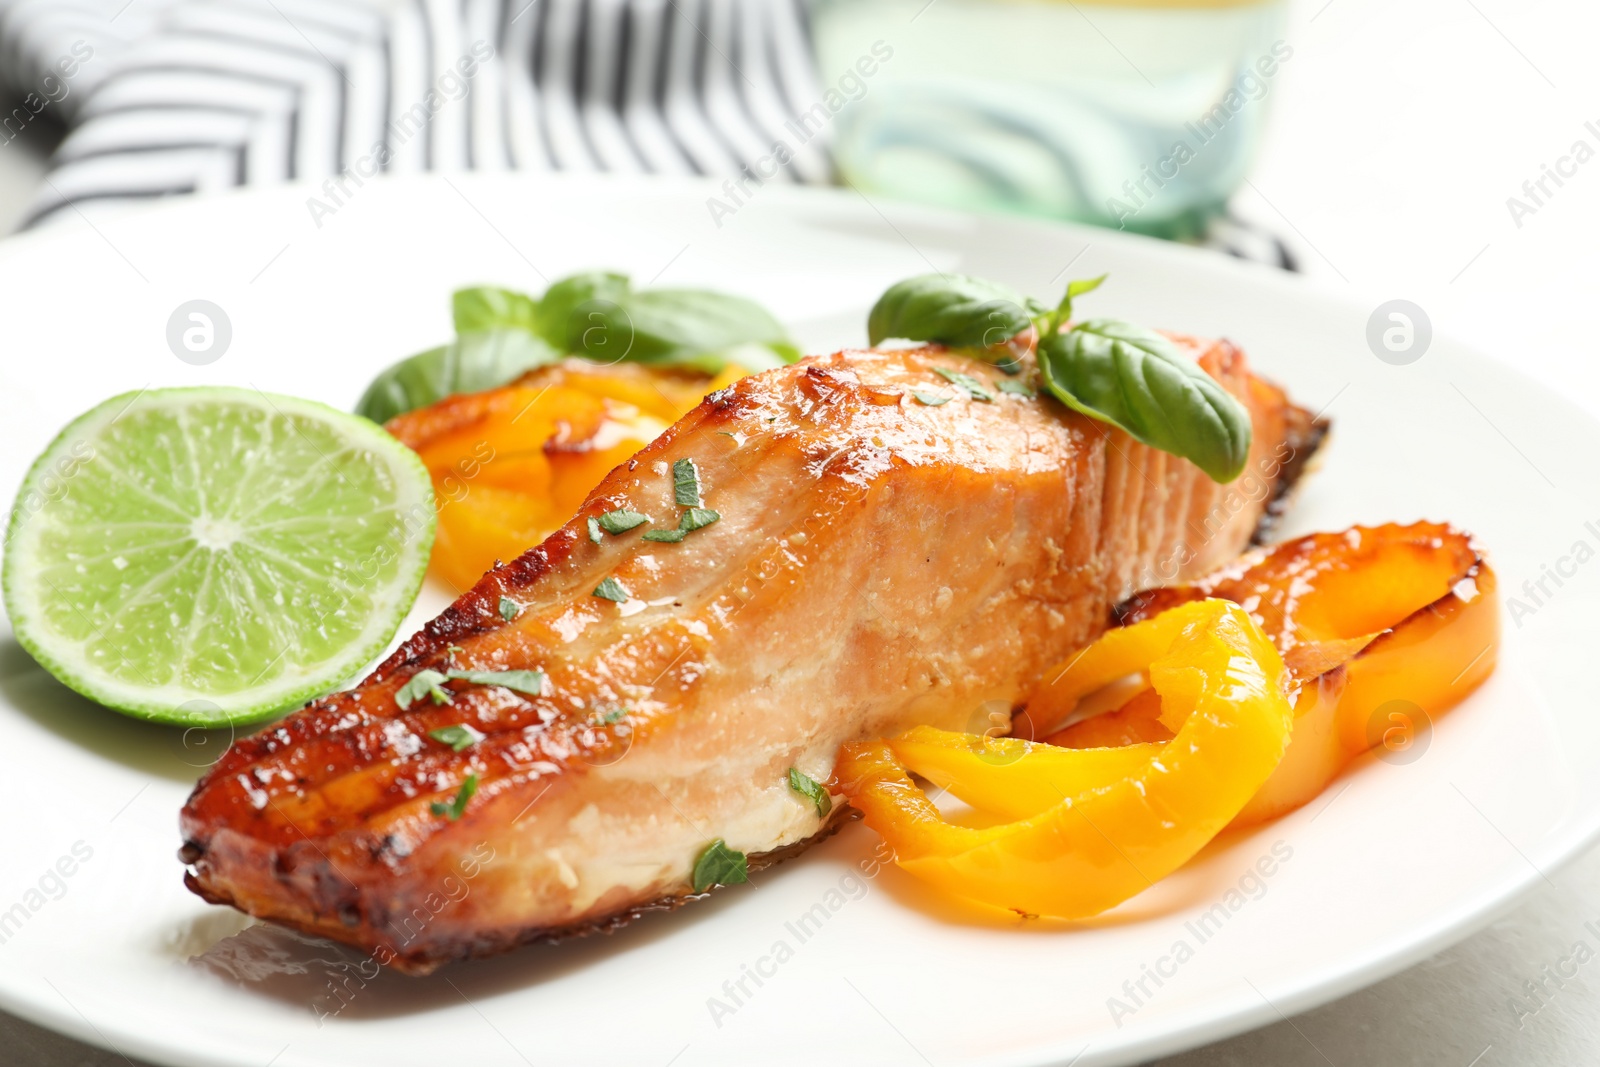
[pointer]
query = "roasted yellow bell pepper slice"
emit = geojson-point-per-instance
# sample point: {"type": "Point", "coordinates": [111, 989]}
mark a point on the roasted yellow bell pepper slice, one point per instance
{"type": "Point", "coordinates": [1008, 776]}
{"type": "Point", "coordinates": [1092, 827]}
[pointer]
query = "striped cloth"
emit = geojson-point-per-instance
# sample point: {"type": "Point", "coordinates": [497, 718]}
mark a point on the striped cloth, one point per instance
{"type": "Point", "coordinates": [164, 97]}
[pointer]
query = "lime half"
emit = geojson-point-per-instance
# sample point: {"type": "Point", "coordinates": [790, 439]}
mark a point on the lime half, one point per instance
{"type": "Point", "coordinates": [209, 556]}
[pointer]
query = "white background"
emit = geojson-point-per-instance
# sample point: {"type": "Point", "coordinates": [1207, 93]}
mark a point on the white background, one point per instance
{"type": "Point", "coordinates": [1399, 132]}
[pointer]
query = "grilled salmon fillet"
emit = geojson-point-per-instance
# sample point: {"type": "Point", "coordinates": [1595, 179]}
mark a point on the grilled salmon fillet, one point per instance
{"type": "Point", "coordinates": [881, 561]}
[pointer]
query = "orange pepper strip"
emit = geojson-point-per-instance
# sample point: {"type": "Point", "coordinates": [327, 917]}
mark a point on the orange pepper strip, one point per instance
{"type": "Point", "coordinates": [1434, 660]}
{"type": "Point", "coordinates": [511, 464]}
{"type": "Point", "coordinates": [1425, 588]}
{"type": "Point", "coordinates": [1091, 844]}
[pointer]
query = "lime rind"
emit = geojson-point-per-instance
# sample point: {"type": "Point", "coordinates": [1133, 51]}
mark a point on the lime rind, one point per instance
{"type": "Point", "coordinates": [259, 580]}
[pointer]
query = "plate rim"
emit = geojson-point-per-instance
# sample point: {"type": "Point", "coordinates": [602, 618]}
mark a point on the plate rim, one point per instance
{"type": "Point", "coordinates": [1178, 1031]}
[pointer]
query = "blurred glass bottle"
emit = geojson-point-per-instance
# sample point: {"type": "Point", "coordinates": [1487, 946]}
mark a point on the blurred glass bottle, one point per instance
{"type": "Point", "coordinates": [1138, 114]}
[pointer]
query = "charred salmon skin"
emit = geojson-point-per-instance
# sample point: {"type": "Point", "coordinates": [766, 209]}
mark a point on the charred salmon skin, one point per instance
{"type": "Point", "coordinates": [840, 549]}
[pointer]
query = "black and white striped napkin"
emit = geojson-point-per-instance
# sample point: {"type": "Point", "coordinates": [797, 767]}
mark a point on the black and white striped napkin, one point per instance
{"type": "Point", "coordinates": [166, 97]}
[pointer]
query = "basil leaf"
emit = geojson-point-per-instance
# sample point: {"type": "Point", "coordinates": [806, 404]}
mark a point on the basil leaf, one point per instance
{"type": "Point", "coordinates": [691, 520]}
{"type": "Point", "coordinates": [1080, 286]}
{"type": "Point", "coordinates": [683, 325]}
{"type": "Point", "coordinates": [469, 364]}
{"type": "Point", "coordinates": [611, 589]}
{"type": "Point", "coordinates": [685, 483]}
{"type": "Point", "coordinates": [621, 521]}
{"type": "Point", "coordinates": [933, 400]}
{"type": "Point", "coordinates": [696, 518]}
{"type": "Point", "coordinates": [812, 790]}
{"type": "Point", "coordinates": [425, 683]}
{"type": "Point", "coordinates": [1075, 288]}
{"type": "Point", "coordinates": [719, 865]}
{"type": "Point", "coordinates": [1014, 387]}
{"type": "Point", "coordinates": [1137, 380]}
{"type": "Point", "coordinates": [950, 309]}
{"type": "Point", "coordinates": [574, 307]}
{"type": "Point", "coordinates": [688, 522]}
{"type": "Point", "coordinates": [508, 608]}
{"type": "Point", "coordinates": [530, 682]}
{"type": "Point", "coordinates": [457, 806]}
{"type": "Point", "coordinates": [599, 316]}
{"type": "Point", "coordinates": [486, 307]}
{"type": "Point", "coordinates": [459, 737]}
{"type": "Point", "coordinates": [974, 388]}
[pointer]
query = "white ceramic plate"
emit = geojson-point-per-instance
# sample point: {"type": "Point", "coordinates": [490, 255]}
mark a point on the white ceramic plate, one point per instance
{"type": "Point", "coordinates": [1391, 864]}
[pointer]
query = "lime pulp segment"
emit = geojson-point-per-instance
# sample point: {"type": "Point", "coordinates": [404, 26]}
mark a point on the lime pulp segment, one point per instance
{"type": "Point", "coordinates": [215, 555]}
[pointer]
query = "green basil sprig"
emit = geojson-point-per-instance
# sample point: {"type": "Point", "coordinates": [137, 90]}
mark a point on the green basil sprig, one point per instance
{"type": "Point", "coordinates": [578, 313]}
{"type": "Point", "coordinates": [471, 362]}
{"type": "Point", "coordinates": [488, 308]}
{"type": "Point", "coordinates": [1125, 375]}
{"type": "Point", "coordinates": [595, 315]}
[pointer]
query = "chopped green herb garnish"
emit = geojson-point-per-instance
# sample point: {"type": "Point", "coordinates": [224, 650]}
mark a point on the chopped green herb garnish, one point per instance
{"type": "Point", "coordinates": [594, 530]}
{"type": "Point", "coordinates": [933, 400]}
{"type": "Point", "coordinates": [695, 518]}
{"type": "Point", "coordinates": [811, 789]}
{"type": "Point", "coordinates": [424, 683]}
{"type": "Point", "coordinates": [458, 737]}
{"type": "Point", "coordinates": [508, 608]}
{"type": "Point", "coordinates": [972, 385]}
{"type": "Point", "coordinates": [1009, 364]}
{"type": "Point", "coordinates": [621, 520]}
{"type": "Point", "coordinates": [611, 589]}
{"type": "Point", "coordinates": [1014, 387]}
{"type": "Point", "coordinates": [454, 648]}
{"type": "Point", "coordinates": [530, 682]}
{"type": "Point", "coordinates": [612, 716]}
{"type": "Point", "coordinates": [691, 520]}
{"type": "Point", "coordinates": [458, 806]}
{"type": "Point", "coordinates": [685, 483]}
{"type": "Point", "coordinates": [719, 865]}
